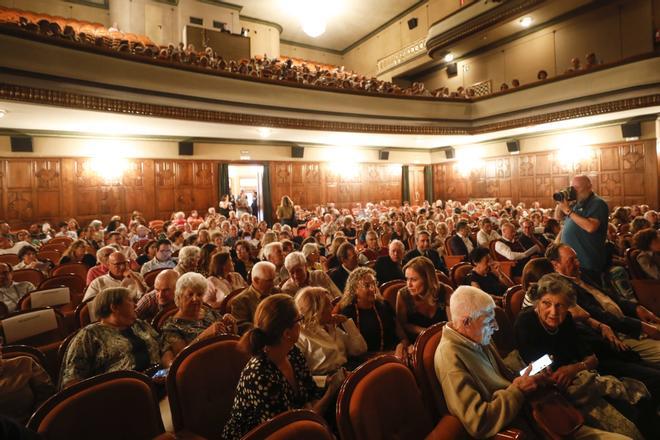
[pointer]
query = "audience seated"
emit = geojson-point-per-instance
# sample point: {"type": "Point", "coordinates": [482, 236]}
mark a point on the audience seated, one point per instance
{"type": "Point", "coordinates": [373, 316]}
{"type": "Point", "coordinates": [422, 302]}
{"type": "Point", "coordinates": [119, 275]}
{"type": "Point", "coordinates": [162, 259]}
{"type": "Point", "coordinates": [101, 267]}
{"type": "Point", "coordinates": [511, 249]}
{"type": "Point", "coordinates": [648, 243]}
{"type": "Point", "coordinates": [28, 260]}
{"type": "Point", "coordinates": [245, 304]}
{"type": "Point", "coordinates": [326, 340]}
{"type": "Point", "coordinates": [348, 260]}
{"type": "Point", "coordinates": [423, 249]}
{"type": "Point", "coordinates": [77, 253]}
{"type": "Point", "coordinates": [486, 233]}
{"type": "Point", "coordinates": [274, 252]}
{"type": "Point", "coordinates": [193, 320]}
{"type": "Point", "coordinates": [389, 267]}
{"type": "Point", "coordinates": [118, 341]}
{"type": "Point", "coordinates": [296, 265]}
{"type": "Point", "coordinates": [222, 279]}
{"type": "Point", "coordinates": [486, 274]}
{"type": "Point", "coordinates": [159, 299]}
{"type": "Point", "coordinates": [10, 290]}
{"type": "Point", "coordinates": [461, 243]}
{"type": "Point", "coordinates": [277, 378]}
{"type": "Point", "coordinates": [244, 261]}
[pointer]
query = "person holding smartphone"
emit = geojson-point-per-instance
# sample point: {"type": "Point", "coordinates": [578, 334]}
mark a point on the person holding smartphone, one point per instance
{"type": "Point", "coordinates": [548, 328]}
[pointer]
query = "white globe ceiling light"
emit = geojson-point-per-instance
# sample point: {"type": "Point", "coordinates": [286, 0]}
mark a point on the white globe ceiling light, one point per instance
{"type": "Point", "coordinates": [314, 26]}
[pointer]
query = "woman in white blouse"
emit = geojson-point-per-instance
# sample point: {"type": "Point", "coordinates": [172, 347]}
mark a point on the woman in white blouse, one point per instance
{"type": "Point", "coordinates": [326, 340]}
{"type": "Point", "coordinates": [222, 279]}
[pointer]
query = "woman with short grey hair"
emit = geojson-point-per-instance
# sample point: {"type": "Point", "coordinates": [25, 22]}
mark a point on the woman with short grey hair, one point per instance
{"type": "Point", "coordinates": [118, 341]}
{"type": "Point", "coordinates": [194, 320]}
{"type": "Point", "coordinates": [188, 259]}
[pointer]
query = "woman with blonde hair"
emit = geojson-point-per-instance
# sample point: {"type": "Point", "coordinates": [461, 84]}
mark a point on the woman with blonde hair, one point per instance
{"type": "Point", "coordinates": [326, 340]}
{"type": "Point", "coordinates": [421, 303]}
{"type": "Point", "coordinates": [269, 237]}
{"type": "Point", "coordinates": [286, 212]}
{"type": "Point", "coordinates": [77, 253]}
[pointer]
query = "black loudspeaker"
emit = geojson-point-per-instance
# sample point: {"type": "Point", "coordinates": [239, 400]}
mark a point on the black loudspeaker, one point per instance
{"type": "Point", "coordinates": [513, 146]}
{"type": "Point", "coordinates": [412, 23]}
{"type": "Point", "coordinates": [631, 130]}
{"type": "Point", "coordinates": [449, 153]}
{"type": "Point", "coordinates": [452, 69]}
{"type": "Point", "coordinates": [21, 144]}
{"type": "Point", "coordinates": [186, 148]}
{"type": "Point", "coordinates": [297, 151]}
{"type": "Point", "coordinates": [383, 155]}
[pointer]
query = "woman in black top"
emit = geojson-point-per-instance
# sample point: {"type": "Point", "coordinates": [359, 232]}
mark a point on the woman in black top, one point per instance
{"type": "Point", "coordinates": [372, 315]}
{"type": "Point", "coordinates": [276, 379]}
{"type": "Point", "coordinates": [76, 253]}
{"type": "Point", "coordinates": [486, 274]}
{"type": "Point", "coordinates": [422, 302]}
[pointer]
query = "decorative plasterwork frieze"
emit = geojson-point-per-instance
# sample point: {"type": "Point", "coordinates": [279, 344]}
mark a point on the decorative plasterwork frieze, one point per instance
{"type": "Point", "coordinates": [78, 101]}
{"type": "Point", "coordinates": [412, 50]}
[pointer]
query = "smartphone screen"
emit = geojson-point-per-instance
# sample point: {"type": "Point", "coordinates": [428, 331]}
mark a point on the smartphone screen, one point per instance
{"type": "Point", "coordinates": [538, 365]}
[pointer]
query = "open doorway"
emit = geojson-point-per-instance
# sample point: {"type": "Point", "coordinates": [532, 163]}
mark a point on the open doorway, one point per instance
{"type": "Point", "coordinates": [245, 183]}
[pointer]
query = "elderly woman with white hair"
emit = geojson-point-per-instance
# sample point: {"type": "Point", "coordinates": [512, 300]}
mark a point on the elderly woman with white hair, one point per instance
{"type": "Point", "coordinates": [313, 255]}
{"type": "Point", "coordinates": [299, 276]}
{"type": "Point", "coordinates": [327, 341]}
{"type": "Point", "coordinates": [194, 320]}
{"type": "Point", "coordinates": [478, 389]}
{"type": "Point", "coordinates": [188, 259]}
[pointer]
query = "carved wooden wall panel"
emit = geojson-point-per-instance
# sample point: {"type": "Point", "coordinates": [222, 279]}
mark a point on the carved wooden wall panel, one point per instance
{"type": "Point", "coordinates": [624, 173]}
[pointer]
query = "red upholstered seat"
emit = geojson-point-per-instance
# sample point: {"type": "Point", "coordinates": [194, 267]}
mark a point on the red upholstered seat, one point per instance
{"type": "Point", "coordinates": [458, 272]}
{"type": "Point", "coordinates": [77, 269]}
{"type": "Point", "coordinates": [117, 405]}
{"type": "Point", "coordinates": [31, 275]}
{"type": "Point", "coordinates": [513, 300]}
{"type": "Point", "coordinates": [380, 400]}
{"type": "Point", "coordinates": [150, 277]}
{"type": "Point", "coordinates": [162, 316]}
{"type": "Point", "coordinates": [11, 259]}
{"type": "Point", "coordinates": [75, 284]}
{"type": "Point", "coordinates": [297, 424]}
{"type": "Point", "coordinates": [201, 384]}
{"type": "Point", "coordinates": [390, 291]}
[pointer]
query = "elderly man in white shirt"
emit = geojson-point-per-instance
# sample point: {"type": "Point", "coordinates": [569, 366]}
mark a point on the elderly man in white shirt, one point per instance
{"type": "Point", "coordinates": [299, 277]}
{"type": "Point", "coordinates": [512, 250]}
{"type": "Point", "coordinates": [119, 275]}
{"type": "Point", "coordinates": [486, 233]}
{"type": "Point", "coordinates": [10, 291]}
{"type": "Point", "coordinates": [163, 258]}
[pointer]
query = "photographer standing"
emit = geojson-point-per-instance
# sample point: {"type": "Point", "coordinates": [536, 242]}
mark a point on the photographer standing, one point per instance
{"type": "Point", "coordinates": [585, 227]}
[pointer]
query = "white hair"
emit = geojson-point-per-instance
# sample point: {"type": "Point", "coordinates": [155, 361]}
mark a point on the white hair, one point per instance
{"type": "Point", "coordinates": [308, 249]}
{"type": "Point", "coordinates": [398, 243]}
{"type": "Point", "coordinates": [469, 302]}
{"type": "Point", "coordinates": [270, 247]}
{"type": "Point", "coordinates": [190, 280]}
{"type": "Point", "coordinates": [105, 252]}
{"type": "Point", "coordinates": [294, 259]}
{"type": "Point", "coordinates": [262, 269]}
{"type": "Point", "coordinates": [188, 253]}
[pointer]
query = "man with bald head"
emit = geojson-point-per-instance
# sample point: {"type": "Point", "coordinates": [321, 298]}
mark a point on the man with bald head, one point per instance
{"type": "Point", "coordinates": [119, 275]}
{"type": "Point", "coordinates": [160, 298]}
{"type": "Point", "coordinates": [585, 227]}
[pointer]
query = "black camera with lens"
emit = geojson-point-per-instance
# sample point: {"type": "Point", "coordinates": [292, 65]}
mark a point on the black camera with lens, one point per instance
{"type": "Point", "coordinates": [569, 194]}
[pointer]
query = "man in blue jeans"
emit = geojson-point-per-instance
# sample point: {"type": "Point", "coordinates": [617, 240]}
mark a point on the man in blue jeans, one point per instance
{"type": "Point", "coordinates": [585, 228]}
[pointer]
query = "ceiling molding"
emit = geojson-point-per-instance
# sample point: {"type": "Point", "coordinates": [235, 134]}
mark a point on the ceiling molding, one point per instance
{"type": "Point", "coordinates": [222, 4]}
{"type": "Point", "coordinates": [41, 96]}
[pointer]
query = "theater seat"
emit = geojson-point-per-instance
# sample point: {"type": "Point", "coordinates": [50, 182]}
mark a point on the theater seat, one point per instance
{"type": "Point", "coordinates": [150, 277]}
{"type": "Point", "coordinates": [513, 300]}
{"type": "Point", "coordinates": [201, 385]}
{"type": "Point", "coordinates": [380, 400]}
{"type": "Point", "coordinates": [424, 369]}
{"type": "Point", "coordinates": [297, 424]}
{"type": "Point", "coordinates": [30, 275]}
{"type": "Point", "coordinates": [117, 405]}
{"type": "Point", "coordinates": [390, 291]}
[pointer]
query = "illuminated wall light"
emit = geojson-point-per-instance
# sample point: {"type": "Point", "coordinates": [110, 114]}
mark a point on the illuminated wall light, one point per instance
{"type": "Point", "coordinates": [3, 112]}
{"type": "Point", "coordinates": [526, 21]}
{"type": "Point", "coordinates": [109, 167]}
{"type": "Point", "coordinates": [449, 57]}
{"type": "Point", "coordinates": [265, 132]}
{"type": "Point", "coordinates": [571, 155]}
{"type": "Point", "coordinates": [468, 160]}
{"type": "Point", "coordinates": [347, 170]}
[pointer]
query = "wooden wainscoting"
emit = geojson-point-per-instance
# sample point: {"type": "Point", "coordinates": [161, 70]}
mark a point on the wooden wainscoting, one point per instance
{"type": "Point", "coordinates": [622, 173]}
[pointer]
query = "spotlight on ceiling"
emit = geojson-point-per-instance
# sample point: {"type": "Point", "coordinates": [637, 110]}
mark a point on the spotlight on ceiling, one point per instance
{"type": "Point", "coordinates": [314, 26]}
{"type": "Point", "coordinates": [526, 21]}
{"type": "Point", "coordinates": [449, 57]}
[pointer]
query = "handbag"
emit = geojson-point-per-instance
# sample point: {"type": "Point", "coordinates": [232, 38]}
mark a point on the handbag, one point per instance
{"type": "Point", "coordinates": [554, 414]}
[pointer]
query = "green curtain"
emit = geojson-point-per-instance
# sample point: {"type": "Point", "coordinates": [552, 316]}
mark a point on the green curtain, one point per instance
{"type": "Point", "coordinates": [405, 184]}
{"type": "Point", "coordinates": [223, 172]}
{"type": "Point", "coordinates": [428, 183]}
{"type": "Point", "coordinates": [267, 200]}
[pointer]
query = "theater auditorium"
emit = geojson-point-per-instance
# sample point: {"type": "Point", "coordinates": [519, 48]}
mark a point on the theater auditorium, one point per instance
{"type": "Point", "coordinates": [329, 219]}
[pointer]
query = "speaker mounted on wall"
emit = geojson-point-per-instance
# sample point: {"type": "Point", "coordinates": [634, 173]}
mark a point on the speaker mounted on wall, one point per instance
{"type": "Point", "coordinates": [513, 146]}
{"type": "Point", "coordinates": [452, 70]}
{"type": "Point", "coordinates": [21, 144]}
{"type": "Point", "coordinates": [383, 155]}
{"type": "Point", "coordinates": [412, 23]}
{"type": "Point", "coordinates": [297, 151]}
{"type": "Point", "coordinates": [186, 148]}
{"type": "Point", "coordinates": [450, 153]}
{"type": "Point", "coordinates": [631, 131]}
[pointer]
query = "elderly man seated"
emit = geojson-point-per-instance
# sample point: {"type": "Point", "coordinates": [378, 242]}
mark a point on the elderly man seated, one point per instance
{"type": "Point", "coordinates": [477, 387]}
{"type": "Point", "coordinates": [299, 276]}
{"type": "Point", "coordinates": [389, 267]}
{"type": "Point", "coordinates": [274, 253]}
{"type": "Point", "coordinates": [158, 299]}
{"type": "Point", "coordinates": [243, 306]}
{"type": "Point", "coordinates": [119, 275]}
{"type": "Point", "coordinates": [101, 267]}
{"type": "Point", "coordinates": [10, 290]}
{"type": "Point", "coordinates": [513, 250]}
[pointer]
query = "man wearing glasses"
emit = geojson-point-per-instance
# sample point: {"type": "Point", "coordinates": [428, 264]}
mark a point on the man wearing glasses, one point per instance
{"type": "Point", "coordinates": [119, 275]}
{"type": "Point", "coordinates": [163, 258]}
